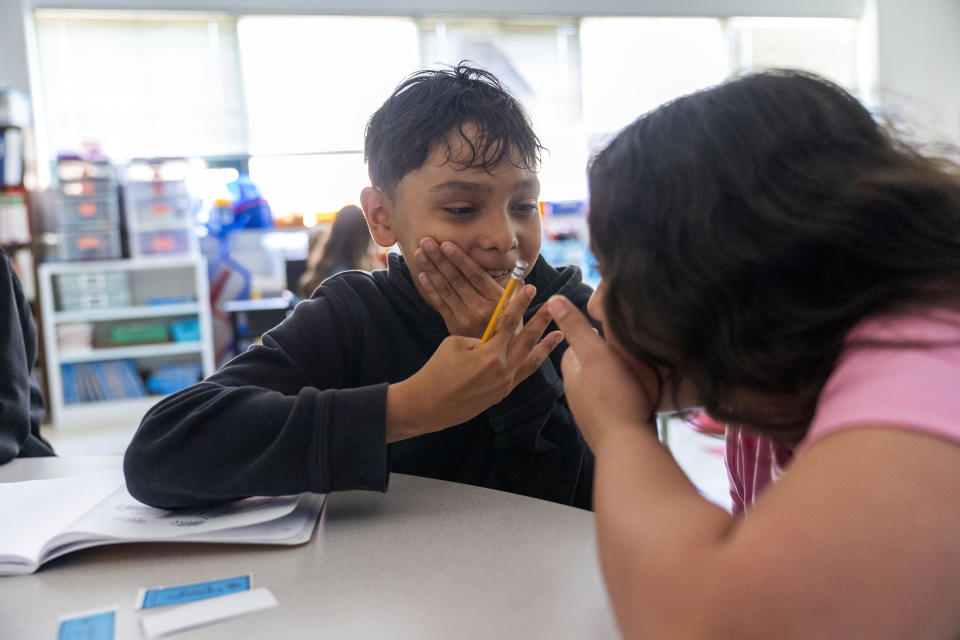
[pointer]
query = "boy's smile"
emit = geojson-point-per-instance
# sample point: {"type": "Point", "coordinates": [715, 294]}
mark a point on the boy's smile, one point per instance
{"type": "Point", "coordinates": [493, 216]}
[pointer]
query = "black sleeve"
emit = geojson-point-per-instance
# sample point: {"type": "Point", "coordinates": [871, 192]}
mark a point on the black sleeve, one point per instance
{"type": "Point", "coordinates": [264, 423]}
{"type": "Point", "coordinates": [21, 402]}
{"type": "Point", "coordinates": [539, 449]}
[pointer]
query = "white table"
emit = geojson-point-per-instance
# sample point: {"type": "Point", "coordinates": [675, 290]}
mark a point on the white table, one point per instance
{"type": "Point", "coordinates": [428, 559]}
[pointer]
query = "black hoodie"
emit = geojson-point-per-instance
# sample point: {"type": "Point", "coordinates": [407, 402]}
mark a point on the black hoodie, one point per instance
{"type": "Point", "coordinates": [21, 402]}
{"type": "Point", "coordinates": [306, 410]}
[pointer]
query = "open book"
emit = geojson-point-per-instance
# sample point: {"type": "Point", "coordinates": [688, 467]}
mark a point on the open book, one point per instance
{"type": "Point", "coordinates": [45, 519]}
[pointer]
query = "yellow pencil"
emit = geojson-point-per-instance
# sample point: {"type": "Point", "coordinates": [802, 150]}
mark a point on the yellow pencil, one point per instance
{"type": "Point", "coordinates": [516, 277]}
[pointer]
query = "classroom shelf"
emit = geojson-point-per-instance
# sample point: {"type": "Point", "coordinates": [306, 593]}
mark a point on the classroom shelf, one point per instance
{"type": "Point", "coordinates": [139, 351]}
{"type": "Point", "coordinates": [127, 313]}
{"type": "Point", "coordinates": [103, 299]}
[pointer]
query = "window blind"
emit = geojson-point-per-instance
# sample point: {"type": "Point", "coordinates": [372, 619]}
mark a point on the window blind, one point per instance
{"type": "Point", "coordinates": [141, 83]}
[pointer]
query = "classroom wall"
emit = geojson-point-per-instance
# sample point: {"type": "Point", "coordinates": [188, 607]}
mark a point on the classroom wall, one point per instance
{"type": "Point", "coordinates": [918, 42]}
{"type": "Point", "coordinates": [919, 64]}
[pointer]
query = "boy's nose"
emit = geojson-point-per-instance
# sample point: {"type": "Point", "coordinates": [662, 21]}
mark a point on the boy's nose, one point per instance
{"type": "Point", "coordinates": [499, 233]}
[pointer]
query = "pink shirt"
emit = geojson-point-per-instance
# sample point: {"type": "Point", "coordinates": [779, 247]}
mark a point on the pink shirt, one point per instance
{"type": "Point", "coordinates": [915, 388]}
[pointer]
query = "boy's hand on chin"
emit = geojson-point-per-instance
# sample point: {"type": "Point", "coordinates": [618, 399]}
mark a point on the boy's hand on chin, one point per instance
{"type": "Point", "coordinates": [603, 392]}
{"type": "Point", "coordinates": [464, 378]}
{"type": "Point", "coordinates": [457, 287]}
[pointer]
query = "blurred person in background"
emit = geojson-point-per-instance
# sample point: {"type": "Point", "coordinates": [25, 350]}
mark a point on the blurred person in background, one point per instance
{"type": "Point", "coordinates": [349, 246]}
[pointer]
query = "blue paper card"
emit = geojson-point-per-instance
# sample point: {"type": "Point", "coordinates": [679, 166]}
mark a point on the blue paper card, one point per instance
{"type": "Point", "coordinates": [150, 598]}
{"type": "Point", "coordinates": [88, 626]}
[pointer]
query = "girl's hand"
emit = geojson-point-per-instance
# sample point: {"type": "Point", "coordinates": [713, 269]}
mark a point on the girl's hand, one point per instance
{"type": "Point", "coordinates": [457, 287]}
{"type": "Point", "coordinates": [603, 392]}
{"type": "Point", "coordinates": [464, 378]}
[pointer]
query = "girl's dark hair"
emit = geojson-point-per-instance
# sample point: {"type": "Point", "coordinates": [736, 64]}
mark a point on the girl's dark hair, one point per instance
{"type": "Point", "coordinates": [431, 104]}
{"type": "Point", "coordinates": [345, 248]}
{"type": "Point", "coordinates": [743, 230]}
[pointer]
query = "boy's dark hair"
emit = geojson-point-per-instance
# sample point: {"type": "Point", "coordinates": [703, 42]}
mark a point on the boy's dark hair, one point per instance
{"type": "Point", "coordinates": [743, 230]}
{"type": "Point", "coordinates": [429, 105]}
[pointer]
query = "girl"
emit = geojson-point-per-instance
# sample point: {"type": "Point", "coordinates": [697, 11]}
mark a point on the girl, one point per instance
{"type": "Point", "coordinates": [349, 246]}
{"type": "Point", "coordinates": [771, 255]}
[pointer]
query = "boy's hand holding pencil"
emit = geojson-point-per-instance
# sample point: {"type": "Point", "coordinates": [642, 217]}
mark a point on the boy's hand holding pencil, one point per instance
{"type": "Point", "coordinates": [465, 376]}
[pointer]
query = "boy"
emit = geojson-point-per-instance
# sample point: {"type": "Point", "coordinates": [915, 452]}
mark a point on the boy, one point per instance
{"type": "Point", "coordinates": [21, 402]}
{"type": "Point", "coordinates": [384, 372]}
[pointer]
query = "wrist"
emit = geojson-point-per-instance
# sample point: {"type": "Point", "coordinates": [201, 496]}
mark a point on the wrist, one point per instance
{"type": "Point", "coordinates": [616, 436]}
{"type": "Point", "coordinates": [404, 416]}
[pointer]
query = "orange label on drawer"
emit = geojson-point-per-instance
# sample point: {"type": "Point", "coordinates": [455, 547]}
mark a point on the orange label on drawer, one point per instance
{"type": "Point", "coordinates": [87, 209]}
{"type": "Point", "coordinates": [160, 208]}
{"type": "Point", "coordinates": [88, 242]}
{"type": "Point", "coordinates": [164, 243]}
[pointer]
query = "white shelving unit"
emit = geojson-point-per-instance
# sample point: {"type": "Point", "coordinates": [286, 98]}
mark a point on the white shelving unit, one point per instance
{"type": "Point", "coordinates": [162, 289]}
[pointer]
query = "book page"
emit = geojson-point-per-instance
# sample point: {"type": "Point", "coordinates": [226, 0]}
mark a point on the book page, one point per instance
{"type": "Point", "coordinates": [34, 511]}
{"type": "Point", "coordinates": [294, 528]}
{"type": "Point", "coordinates": [121, 516]}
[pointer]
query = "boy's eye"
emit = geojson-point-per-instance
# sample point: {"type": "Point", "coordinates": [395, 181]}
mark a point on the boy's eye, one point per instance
{"type": "Point", "coordinates": [527, 207]}
{"type": "Point", "coordinates": [460, 211]}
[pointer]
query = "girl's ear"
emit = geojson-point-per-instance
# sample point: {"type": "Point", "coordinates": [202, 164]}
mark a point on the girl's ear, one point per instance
{"type": "Point", "coordinates": [377, 209]}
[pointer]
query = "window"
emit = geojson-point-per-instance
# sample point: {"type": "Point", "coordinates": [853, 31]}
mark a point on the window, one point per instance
{"type": "Point", "coordinates": [631, 65]}
{"type": "Point", "coordinates": [312, 81]}
{"type": "Point", "coordinates": [141, 83]}
{"type": "Point", "coordinates": [293, 93]}
{"type": "Point", "coordinates": [827, 46]}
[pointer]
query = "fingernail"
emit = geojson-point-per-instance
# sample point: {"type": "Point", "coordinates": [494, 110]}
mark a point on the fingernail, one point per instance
{"type": "Point", "coordinates": [428, 243]}
{"type": "Point", "coordinates": [422, 277]}
{"type": "Point", "coordinates": [558, 307]}
{"type": "Point", "coordinates": [447, 248]}
{"type": "Point", "coordinates": [421, 256]}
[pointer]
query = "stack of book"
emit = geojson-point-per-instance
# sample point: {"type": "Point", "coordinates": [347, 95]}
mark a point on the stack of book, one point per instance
{"type": "Point", "coordinates": [98, 381]}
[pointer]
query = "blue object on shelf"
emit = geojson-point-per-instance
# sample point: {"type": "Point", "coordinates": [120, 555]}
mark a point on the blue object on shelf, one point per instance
{"type": "Point", "coordinates": [157, 301]}
{"type": "Point", "coordinates": [185, 330]}
{"type": "Point", "coordinates": [248, 203]}
{"type": "Point", "coordinates": [174, 377]}
{"type": "Point", "coordinates": [99, 381]}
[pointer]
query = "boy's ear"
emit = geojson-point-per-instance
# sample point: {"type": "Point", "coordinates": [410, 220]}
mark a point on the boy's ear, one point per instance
{"type": "Point", "coordinates": [378, 209]}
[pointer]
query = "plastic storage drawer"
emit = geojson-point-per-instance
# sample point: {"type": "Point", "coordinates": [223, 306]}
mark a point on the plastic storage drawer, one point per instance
{"type": "Point", "coordinates": [158, 204]}
{"type": "Point", "coordinates": [87, 211]}
{"type": "Point", "coordinates": [143, 190]}
{"type": "Point", "coordinates": [91, 290]}
{"type": "Point", "coordinates": [90, 187]}
{"type": "Point", "coordinates": [159, 212]}
{"type": "Point", "coordinates": [161, 242]}
{"type": "Point", "coordinates": [90, 245]}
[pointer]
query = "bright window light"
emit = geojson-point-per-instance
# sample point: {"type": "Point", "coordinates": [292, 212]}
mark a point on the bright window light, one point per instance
{"type": "Point", "coordinates": [827, 46]}
{"type": "Point", "coordinates": [311, 185]}
{"type": "Point", "coordinates": [631, 65]}
{"type": "Point", "coordinates": [141, 84]}
{"type": "Point", "coordinates": [311, 82]}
